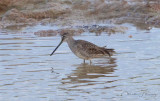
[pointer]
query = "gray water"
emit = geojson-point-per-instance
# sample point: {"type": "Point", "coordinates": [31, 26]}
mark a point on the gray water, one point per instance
{"type": "Point", "coordinates": [28, 73]}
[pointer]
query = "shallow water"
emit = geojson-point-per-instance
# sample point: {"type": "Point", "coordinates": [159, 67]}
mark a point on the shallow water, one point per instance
{"type": "Point", "coordinates": [27, 72]}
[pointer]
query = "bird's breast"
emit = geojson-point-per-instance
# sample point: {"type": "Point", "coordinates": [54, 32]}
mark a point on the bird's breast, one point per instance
{"type": "Point", "coordinates": [79, 52]}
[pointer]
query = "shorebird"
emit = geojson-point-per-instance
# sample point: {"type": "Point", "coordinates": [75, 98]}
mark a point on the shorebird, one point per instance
{"type": "Point", "coordinates": [84, 49]}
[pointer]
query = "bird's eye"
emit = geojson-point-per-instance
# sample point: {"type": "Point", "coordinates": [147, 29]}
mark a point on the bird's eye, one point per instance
{"type": "Point", "coordinates": [63, 36]}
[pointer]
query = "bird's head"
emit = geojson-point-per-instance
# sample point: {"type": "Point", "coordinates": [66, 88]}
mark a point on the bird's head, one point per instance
{"type": "Point", "coordinates": [64, 37]}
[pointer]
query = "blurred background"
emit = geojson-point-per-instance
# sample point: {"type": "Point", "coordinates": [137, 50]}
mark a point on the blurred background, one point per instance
{"type": "Point", "coordinates": [30, 30]}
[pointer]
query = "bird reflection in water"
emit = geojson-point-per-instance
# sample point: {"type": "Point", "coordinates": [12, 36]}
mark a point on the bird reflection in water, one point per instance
{"type": "Point", "coordinates": [87, 73]}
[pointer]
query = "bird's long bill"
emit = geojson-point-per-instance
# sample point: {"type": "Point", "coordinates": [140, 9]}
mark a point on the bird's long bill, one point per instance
{"type": "Point", "coordinates": [57, 46]}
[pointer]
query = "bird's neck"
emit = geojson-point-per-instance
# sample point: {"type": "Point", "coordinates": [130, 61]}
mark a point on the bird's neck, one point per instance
{"type": "Point", "coordinates": [70, 40]}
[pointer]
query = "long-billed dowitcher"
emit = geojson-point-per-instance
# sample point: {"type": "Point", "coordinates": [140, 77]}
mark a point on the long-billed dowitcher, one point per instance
{"type": "Point", "coordinates": [84, 49]}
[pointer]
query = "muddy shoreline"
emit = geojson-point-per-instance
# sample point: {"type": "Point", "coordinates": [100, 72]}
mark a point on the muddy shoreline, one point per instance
{"type": "Point", "coordinates": [72, 13]}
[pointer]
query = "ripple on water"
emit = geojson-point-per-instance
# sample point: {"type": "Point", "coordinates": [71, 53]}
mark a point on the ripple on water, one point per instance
{"type": "Point", "coordinates": [28, 72]}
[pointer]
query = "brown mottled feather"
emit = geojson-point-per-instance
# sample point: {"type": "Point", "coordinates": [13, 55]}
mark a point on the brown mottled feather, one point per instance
{"type": "Point", "coordinates": [84, 49]}
{"type": "Point", "coordinates": [91, 50]}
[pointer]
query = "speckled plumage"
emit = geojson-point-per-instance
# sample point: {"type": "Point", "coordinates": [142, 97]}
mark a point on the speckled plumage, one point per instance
{"type": "Point", "coordinates": [84, 49]}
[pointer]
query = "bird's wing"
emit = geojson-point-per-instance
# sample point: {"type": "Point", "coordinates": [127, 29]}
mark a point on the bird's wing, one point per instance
{"type": "Point", "coordinates": [89, 48]}
{"type": "Point", "coordinates": [97, 51]}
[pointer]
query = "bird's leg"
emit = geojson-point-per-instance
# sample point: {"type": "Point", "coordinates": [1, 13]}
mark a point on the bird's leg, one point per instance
{"type": "Point", "coordinates": [84, 61]}
{"type": "Point", "coordinates": [90, 62]}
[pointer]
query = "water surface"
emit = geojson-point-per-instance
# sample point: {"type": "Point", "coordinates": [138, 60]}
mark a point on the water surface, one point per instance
{"type": "Point", "coordinates": [27, 72]}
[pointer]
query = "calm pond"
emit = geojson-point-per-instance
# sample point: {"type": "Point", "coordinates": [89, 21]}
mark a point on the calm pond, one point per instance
{"type": "Point", "coordinates": [29, 73]}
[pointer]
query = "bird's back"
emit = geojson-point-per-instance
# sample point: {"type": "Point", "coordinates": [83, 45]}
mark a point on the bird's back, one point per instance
{"type": "Point", "coordinates": [88, 50]}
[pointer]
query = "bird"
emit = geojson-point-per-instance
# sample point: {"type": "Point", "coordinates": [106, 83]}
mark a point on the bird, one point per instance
{"type": "Point", "coordinates": [84, 49]}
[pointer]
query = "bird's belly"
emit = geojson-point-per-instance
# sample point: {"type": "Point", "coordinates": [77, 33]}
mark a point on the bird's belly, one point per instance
{"type": "Point", "coordinates": [87, 56]}
{"type": "Point", "coordinates": [80, 55]}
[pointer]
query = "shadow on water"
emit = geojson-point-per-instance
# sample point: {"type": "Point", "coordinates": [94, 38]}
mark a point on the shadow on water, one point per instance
{"type": "Point", "coordinates": [86, 73]}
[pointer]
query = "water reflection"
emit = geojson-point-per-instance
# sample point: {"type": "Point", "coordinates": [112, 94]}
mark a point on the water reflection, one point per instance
{"type": "Point", "coordinates": [26, 66]}
{"type": "Point", "coordinates": [88, 73]}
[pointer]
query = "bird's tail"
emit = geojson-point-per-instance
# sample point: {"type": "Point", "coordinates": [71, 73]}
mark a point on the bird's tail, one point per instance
{"type": "Point", "coordinates": [110, 52]}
